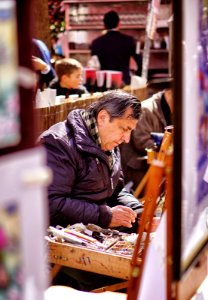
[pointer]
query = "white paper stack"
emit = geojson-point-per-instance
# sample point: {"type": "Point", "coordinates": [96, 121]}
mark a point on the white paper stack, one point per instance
{"type": "Point", "coordinates": [45, 98]}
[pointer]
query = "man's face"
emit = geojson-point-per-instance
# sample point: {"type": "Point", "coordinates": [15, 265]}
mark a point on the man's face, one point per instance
{"type": "Point", "coordinates": [113, 133]}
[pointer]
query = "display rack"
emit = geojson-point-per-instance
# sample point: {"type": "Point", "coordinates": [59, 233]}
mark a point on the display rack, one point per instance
{"type": "Point", "coordinates": [84, 22]}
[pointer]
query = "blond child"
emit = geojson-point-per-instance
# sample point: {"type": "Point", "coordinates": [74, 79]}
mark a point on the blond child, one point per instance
{"type": "Point", "coordinates": [69, 77]}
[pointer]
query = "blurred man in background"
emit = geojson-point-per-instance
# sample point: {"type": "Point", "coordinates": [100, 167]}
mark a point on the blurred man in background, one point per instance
{"type": "Point", "coordinates": [114, 49]}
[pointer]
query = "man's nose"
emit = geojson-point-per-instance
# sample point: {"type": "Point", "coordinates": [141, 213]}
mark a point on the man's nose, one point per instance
{"type": "Point", "coordinates": [126, 137]}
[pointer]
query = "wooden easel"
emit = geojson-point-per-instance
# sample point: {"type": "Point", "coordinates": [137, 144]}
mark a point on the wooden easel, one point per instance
{"type": "Point", "coordinates": [159, 168]}
{"type": "Point", "coordinates": [187, 286]}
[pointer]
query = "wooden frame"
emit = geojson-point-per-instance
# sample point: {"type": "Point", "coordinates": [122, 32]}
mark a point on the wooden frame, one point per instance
{"type": "Point", "coordinates": [81, 258]}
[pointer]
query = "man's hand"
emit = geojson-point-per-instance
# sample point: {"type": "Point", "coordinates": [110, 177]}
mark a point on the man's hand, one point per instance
{"type": "Point", "coordinates": [122, 216]}
{"type": "Point", "coordinates": [39, 64]}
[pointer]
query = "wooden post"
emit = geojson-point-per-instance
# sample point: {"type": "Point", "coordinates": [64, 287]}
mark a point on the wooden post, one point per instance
{"type": "Point", "coordinates": [153, 178]}
{"type": "Point", "coordinates": [152, 193]}
{"type": "Point", "coordinates": [169, 233]}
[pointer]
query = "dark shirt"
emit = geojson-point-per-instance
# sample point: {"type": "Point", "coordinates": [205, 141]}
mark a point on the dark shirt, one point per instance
{"type": "Point", "coordinates": [166, 111]}
{"type": "Point", "coordinates": [114, 50]}
{"type": "Point", "coordinates": [55, 84]}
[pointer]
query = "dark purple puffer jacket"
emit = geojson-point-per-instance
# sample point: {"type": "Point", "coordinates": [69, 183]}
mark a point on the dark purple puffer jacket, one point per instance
{"type": "Point", "coordinates": [84, 187]}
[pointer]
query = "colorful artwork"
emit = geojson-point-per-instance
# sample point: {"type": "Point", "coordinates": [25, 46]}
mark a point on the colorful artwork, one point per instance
{"type": "Point", "coordinates": [194, 131]}
{"type": "Point", "coordinates": [203, 102]}
{"type": "Point", "coordinates": [9, 97]}
{"type": "Point", "coordinates": [11, 277]}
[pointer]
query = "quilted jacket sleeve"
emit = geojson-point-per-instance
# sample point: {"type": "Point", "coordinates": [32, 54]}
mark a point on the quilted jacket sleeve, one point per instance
{"type": "Point", "coordinates": [65, 209]}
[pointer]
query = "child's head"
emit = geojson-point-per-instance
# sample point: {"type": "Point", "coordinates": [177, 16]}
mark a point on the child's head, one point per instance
{"type": "Point", "coordinates": [69, 72]}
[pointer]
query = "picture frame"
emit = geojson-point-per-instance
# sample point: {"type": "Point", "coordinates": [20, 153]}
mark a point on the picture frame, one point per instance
{"type": "Point", "coordinates": [23, 204]}
{"type": "Point", "coordinates": [190, 213]}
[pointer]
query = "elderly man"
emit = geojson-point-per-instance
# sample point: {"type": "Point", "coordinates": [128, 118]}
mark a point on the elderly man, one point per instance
{"type": "Point", "coordinates": [84, 156]}
{"type": "Point", "coordinates": [88, 185]}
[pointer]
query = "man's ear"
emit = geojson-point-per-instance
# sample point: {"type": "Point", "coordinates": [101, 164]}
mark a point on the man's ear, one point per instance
{"type": "Point", "coordinates": [103, 117]}
{"type": "Point", "coordinates": [64, 78]}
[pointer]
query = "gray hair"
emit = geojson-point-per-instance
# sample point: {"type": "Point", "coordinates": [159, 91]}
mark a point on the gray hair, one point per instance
{"type": "Point", "coordinates": [116, 103]}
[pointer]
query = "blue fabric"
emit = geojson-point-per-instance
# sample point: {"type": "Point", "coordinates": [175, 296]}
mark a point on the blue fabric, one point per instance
{"type": "Point", "coordinates": [40, 50]}
{"type": "Point", "coordinates": [44, 50]}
